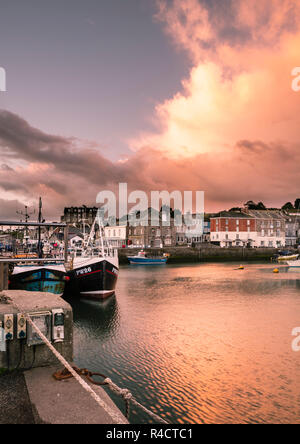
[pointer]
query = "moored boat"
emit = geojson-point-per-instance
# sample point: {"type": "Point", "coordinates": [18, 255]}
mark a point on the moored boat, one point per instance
{"type": "Point", "coordinates": [30, 271]}
{"type": "Point", "coordinates": [93, 277]}
{"type": "Point", "coordinates": [93, 270]}
{"type": "Point", "coordinates": [49, 278]}
{"type": "Point", "coordinates": [294, 264]}
{"type": "Point", "coordinates": [291, 257]}
{"type": "Point", "coordinates": [142, 258]}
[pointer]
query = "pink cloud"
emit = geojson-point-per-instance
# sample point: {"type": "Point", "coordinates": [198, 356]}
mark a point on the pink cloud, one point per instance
{"type": "Point", "coordinates": [234, 91]}
{"type": "Point", "coordinates": [233, 132]}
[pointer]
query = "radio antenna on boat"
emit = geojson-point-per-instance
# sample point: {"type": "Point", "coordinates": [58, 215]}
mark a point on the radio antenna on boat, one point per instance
{"type": "Point", "coordinates": [101, 227]}
{"type": "Point", "coordinates": [26, 216]}
{"type": "Point", "coordinates": [40, 220]}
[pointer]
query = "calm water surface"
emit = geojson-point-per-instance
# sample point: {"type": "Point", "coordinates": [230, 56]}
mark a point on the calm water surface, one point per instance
{"type": "Point", "coordinates": [198, 343]}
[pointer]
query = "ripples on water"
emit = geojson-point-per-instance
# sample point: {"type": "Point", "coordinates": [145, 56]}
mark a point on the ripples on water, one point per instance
{"type": "Point", "coordinates": [202, 343]}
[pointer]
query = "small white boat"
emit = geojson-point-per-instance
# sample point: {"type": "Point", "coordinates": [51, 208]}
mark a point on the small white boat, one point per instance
{"type": "Point", "coordinates": [294, 264]}
{"type": "Point", "coordinates": [291, 257]}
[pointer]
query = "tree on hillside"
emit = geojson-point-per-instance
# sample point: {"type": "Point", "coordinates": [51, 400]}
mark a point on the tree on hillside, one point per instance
{"type": "Point", "coordinates": [253, 206]}
{"type": "Point", "coordinates": [235, 209]}
{"type": "Point", "coordinates": [297, 204]}
{"type": "Point", "coordinates": [260, 206]}
{"type": "Point", "coordinates": [287, 206]}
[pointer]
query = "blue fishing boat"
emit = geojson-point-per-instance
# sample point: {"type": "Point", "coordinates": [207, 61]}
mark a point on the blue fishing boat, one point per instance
{"type": "Point", "coordinates": [142, 258]}
{"type": "Point", "coordinates": [37, 274]}
{"type": "Point", "coordinates": [50, 278]}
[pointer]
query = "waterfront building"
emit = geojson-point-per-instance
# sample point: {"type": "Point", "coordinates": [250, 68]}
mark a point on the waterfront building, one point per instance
{"type": "Point", "coordinates": [157, 235]}
{"type": "Point", "coordinates": [117, 235]}
{"type": "Point", "coordinates": [206, 231]}
{"type": "Point", "coordinates": [79, 216]}
{"type": "Point", "coordinates": [184, 234]}
{"type": "Point", "coordinates": [152, 236]}
{"type": "Point", "coordinates": [232, 229]}
{"type": "Point", "coordinates": [292, 229]}
{"type": "Point", "coordinates": [75, 236]}
{"type": "Point", "coordinates": [248, 228]}
{"type": "Point", "coordinates": [270, 228]}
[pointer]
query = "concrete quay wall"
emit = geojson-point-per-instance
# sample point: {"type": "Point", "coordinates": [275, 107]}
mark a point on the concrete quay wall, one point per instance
{"type": "Point", "coordinates": [203, 254]}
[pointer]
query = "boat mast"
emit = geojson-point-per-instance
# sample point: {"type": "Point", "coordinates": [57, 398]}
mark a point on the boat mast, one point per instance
{"type": "Point", "coordinates": [100, 224]}
{"type": "Point", "coordinates": [40, 250]}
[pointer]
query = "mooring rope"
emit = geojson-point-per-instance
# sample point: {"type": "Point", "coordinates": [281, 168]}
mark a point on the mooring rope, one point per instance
{"type": "Point", "coordinates": [128, 397]}
{"type": "Point", "coordinates": [75, 372]}
{"type": "Point", "coordinates": [117, 417]}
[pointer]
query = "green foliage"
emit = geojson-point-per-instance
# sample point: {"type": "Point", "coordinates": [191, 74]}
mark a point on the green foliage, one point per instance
{"type": "Point", "coordinates": [297, 204]}
{"type": "Point", "coordinates": [287, 206]}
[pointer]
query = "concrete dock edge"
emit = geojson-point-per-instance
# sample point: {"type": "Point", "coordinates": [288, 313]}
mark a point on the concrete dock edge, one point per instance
{"type": "Point", "coordinates": [65, 402]}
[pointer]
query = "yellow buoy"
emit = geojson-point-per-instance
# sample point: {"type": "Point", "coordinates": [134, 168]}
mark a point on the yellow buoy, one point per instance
{"type": "Point", "coordinates": [275, 270]}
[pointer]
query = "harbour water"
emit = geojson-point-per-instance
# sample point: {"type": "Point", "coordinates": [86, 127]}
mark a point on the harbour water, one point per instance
{"type": "Point", "coordinates": [203, 343]}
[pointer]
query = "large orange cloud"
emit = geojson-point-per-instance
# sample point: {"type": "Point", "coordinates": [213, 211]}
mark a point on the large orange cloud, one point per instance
{"type": "Point", "coordinates": [233, 130]}
{"type": "Point", "coordinates": [237, 89]}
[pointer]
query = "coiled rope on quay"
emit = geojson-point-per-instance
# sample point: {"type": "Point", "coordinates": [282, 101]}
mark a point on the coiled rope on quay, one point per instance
{"type": "Point", "coordinates": [77, 374]}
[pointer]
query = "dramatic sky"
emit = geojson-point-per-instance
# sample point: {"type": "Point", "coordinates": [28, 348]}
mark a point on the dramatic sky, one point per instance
{"type": "Point", "coordinates": [161, 94]}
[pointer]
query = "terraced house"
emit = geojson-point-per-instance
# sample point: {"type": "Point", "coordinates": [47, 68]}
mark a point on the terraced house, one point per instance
{"type": "Point", "coordinates": [248, 228]}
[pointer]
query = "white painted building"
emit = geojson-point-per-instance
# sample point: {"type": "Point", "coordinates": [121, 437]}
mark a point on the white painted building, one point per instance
{"type": "Point", "coordinates": [117, 235]}
{"type": "Point", "coordinates": [254, 228]}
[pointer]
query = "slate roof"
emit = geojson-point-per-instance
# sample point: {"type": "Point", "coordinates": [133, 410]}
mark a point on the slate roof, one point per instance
{"type": "Point", "coordinates": [233, 214]}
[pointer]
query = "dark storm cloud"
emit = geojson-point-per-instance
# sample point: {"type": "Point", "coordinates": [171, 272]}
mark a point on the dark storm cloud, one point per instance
{"type": "Point", "coordinates": [19, 140]}
{"type": "Point", "coordinates": [64, 170]}
{"type": "Point", "coordinates": [66, 173]}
